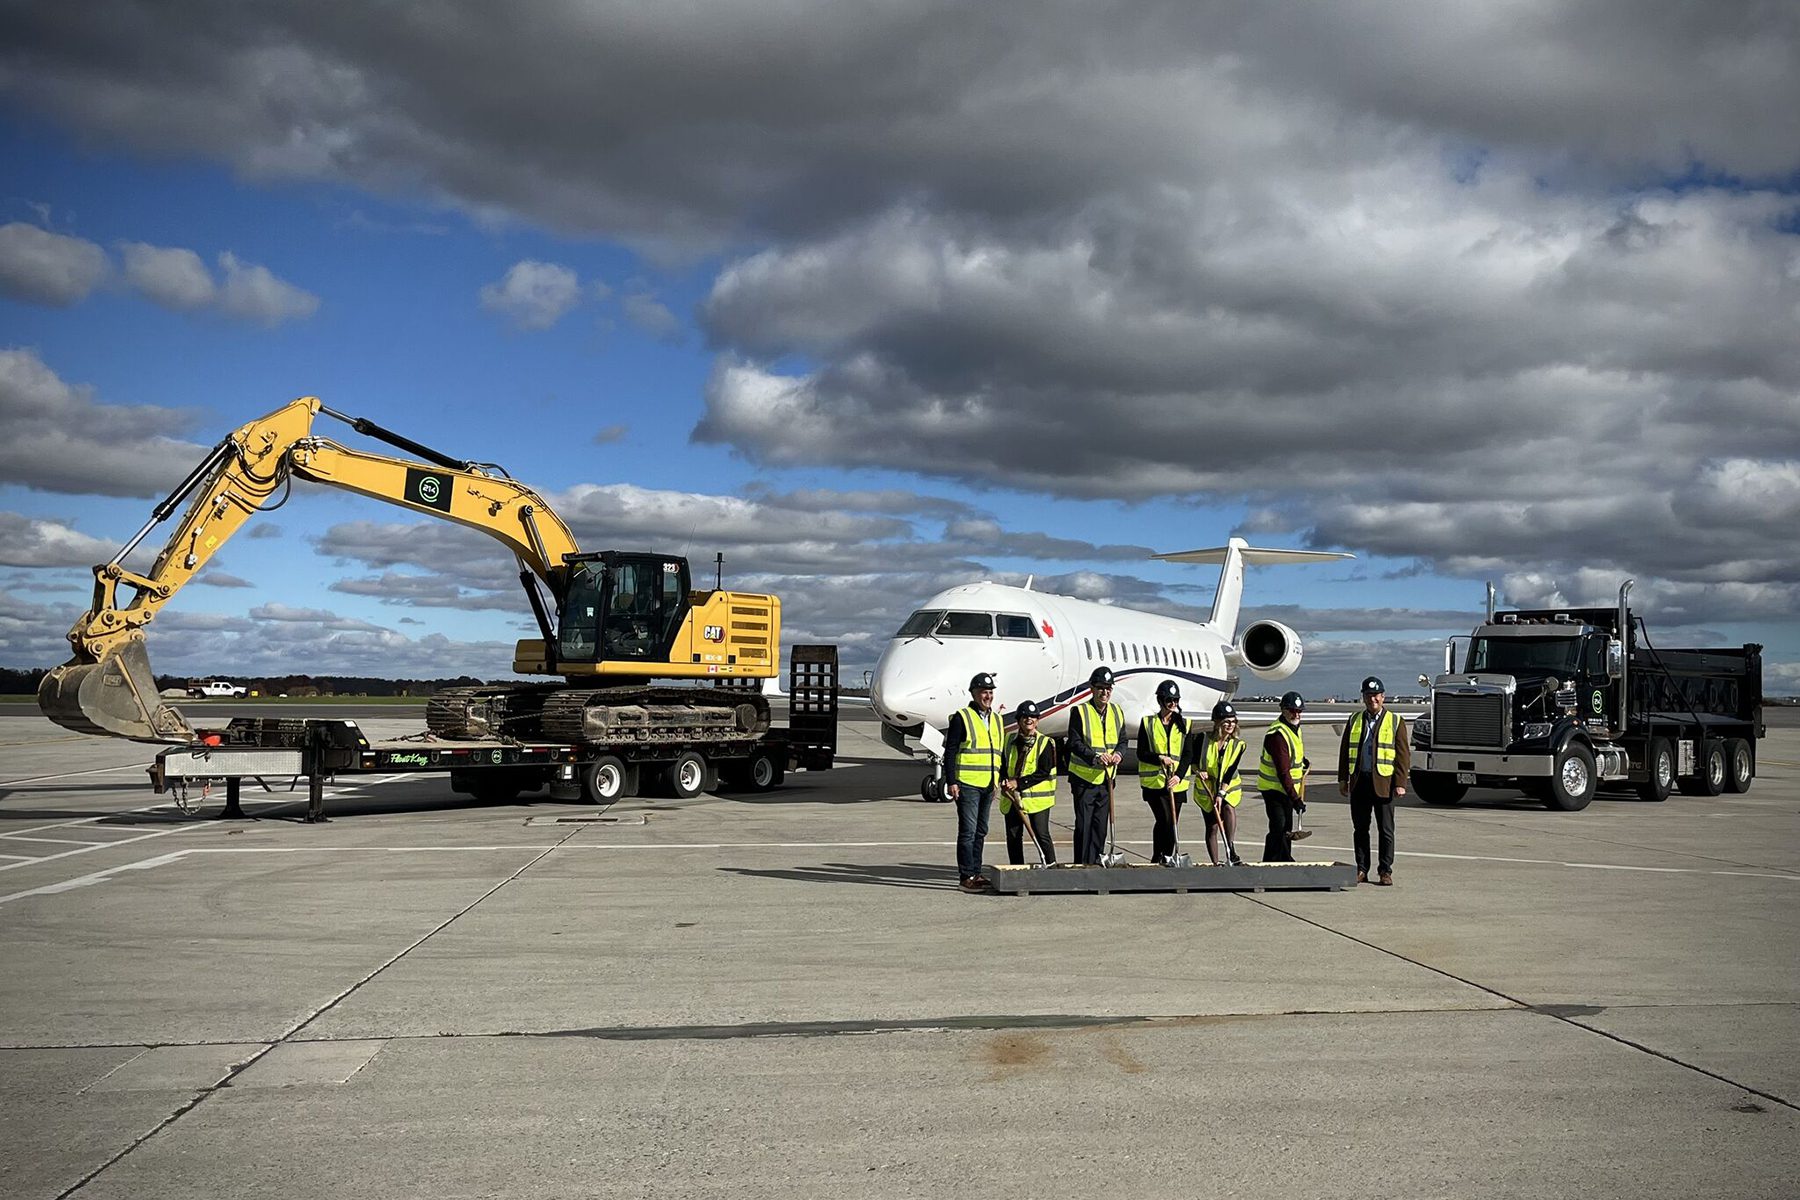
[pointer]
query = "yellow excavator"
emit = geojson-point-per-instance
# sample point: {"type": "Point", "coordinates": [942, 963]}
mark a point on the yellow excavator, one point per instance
{"type": "Point", "coordinates": [611, 621]}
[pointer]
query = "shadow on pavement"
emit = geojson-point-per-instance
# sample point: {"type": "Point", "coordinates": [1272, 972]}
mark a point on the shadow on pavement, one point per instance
{"type": "Point", "coordinates": [932, 877]}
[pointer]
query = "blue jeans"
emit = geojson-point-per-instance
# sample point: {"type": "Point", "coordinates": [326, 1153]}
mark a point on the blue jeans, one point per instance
{"type": "Point", "coordinates": [972, 805]}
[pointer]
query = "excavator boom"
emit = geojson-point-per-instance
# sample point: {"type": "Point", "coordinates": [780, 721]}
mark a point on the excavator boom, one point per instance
{"type": "Point", "coordinates": [108, 686]}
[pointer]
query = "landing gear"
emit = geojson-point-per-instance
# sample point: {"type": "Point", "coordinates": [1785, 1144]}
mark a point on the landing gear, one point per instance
{"type": "Point", "coordinates": [931, 789]}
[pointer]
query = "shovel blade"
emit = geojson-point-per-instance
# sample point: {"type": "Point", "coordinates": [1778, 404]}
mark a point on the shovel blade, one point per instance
{"type": "Point", "coordinates": [113, 697]}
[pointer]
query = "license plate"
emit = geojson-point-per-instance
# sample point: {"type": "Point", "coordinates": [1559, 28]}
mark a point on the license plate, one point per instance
{"type": "Point", "coordinates": [1466, 777]}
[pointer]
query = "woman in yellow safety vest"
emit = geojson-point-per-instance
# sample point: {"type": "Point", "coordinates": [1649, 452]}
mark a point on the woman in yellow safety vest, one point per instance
{"type": "Point", "coordinates": [1028, 787]}
{"type": "Point", "coordinates": [1219, 785]}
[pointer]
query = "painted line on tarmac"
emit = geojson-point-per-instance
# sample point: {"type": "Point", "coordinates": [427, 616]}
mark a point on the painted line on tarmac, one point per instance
{"type": "Point", "coordinates": [19, 837]}
{"type": "Point", "coordinates": [1589, 866]}
{"type": "Point", "coordinates": [74, 774]}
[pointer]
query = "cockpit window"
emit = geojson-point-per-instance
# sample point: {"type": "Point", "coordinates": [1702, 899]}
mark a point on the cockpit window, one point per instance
{"type": "Point", "coordinates": [1012, 625]}
{"type": "Point", "coordinates": [921, 623]}
{"type": "Point", "coordinates": [967, 624]}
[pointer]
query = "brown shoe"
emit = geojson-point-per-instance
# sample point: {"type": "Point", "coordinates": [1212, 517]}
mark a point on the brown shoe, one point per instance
{"type": "Point", "coordinates": [1362, 877]}
{"type": "Point", "coordinates": [1386, 880]}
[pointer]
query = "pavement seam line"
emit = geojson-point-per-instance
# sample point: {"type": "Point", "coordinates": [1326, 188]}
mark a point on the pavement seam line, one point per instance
{"type": "Point", "coordinates": [1535, 1010]}
{"type": "Point", "coordinates": [237, 1069]}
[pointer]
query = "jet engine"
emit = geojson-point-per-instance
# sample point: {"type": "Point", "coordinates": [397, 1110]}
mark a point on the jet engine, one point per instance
{"type": "Point", "coordinates": [1270, 649]}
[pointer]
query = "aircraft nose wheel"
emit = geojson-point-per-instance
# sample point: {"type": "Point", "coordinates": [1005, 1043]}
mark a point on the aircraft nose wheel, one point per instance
{"type": "Point", "coordinates": [932, 789]}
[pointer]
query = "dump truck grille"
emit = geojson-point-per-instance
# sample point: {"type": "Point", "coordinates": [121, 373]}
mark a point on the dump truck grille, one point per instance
{"type": "Point", "coordinates": [1470, 721]}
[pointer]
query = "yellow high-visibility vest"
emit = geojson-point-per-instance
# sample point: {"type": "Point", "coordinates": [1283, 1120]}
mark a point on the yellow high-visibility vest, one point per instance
{"type": "Point", "coordinates": [1102, 730]}
{"type": "Point", "coordinates": [1385, 726]}
{"type": "Point", "coordinates": [1164, 739]}
{"type": "Point", "coordinates": [1021, 761]}
{"type": "Point", "coordinates": [1221, 756]}
{"type": "Point", "coordinates": [1266, 777]}
{"type": "Point", "coordinates": [978, 758]}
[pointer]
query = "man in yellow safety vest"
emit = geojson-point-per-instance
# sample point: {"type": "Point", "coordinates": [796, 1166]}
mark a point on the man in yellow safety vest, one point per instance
{"type": "Point", "coordinates": [1096, 748]}
{"type": "Point", "coordinates": [1281, 778]}
{"type": "Point", "coordinates": [1165, 753]}
{"type": "Point", "coordinates": [972, 762]}
{"type": "Point", "coordinates": [1028, 787]}
{"type": "Point", "coordinates": [1373, 761]}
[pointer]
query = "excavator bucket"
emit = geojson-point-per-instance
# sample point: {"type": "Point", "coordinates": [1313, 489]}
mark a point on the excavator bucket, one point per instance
{"type": "Point", "coordinates": [115, 696]}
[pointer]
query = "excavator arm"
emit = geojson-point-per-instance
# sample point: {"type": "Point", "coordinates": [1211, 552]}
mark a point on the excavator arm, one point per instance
{"type": "Point", "coordinates": [108, 687]}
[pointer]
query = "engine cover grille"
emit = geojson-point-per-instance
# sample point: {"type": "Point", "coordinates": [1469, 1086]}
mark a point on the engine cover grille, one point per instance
{"type": "Point", "coordinates": [1470, 721]}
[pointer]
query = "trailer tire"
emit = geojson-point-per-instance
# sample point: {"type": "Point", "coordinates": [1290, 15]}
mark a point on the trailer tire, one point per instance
{"type": "Point", "coordinates": [1659, 768]}
{"type": "Point", "coordinates": [764, 772]}
{"type": "Point", "coordinates": [1436, 787]}
{"type": "Point", "coordinates": [687, 775]}
{"type": "Point", "coordinates": [1709, 779]}
{"type": "Point", "coordinates": [1740, 765]}
{"type": "Point", "coordinates": [1573, 781]}
{"type": "Point", "coordinates": [607, 779]}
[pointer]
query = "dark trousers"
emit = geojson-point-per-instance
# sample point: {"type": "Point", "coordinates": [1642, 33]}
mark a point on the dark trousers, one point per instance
{"type": "Point", "coordinates": [1162, 837]}
{"type": "Point", "coordinates": [971, 827]}
{"type": "Point", "coordinates": [1279, 845]}
{"type": "Point", "coordinates": [1091, 811]}
{"type": "Point", "coordinates": [1040, 833]}
{"type": "Point", "coordinates": [1364, 803]}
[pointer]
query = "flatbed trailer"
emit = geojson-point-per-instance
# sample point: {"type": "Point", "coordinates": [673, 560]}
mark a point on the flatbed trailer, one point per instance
{"type": "Point", "coordinates": [318, 749]}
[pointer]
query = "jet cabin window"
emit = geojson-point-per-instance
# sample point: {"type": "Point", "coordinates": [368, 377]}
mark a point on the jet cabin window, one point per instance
{"type": "Point", "coordinates": [967, 624]}
{"type": "Point", "coordinates": [1012, 625]}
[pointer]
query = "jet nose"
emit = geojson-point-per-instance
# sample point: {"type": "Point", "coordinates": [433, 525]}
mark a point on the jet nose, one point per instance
{"type": "Point", "coordinates": [906, 696]}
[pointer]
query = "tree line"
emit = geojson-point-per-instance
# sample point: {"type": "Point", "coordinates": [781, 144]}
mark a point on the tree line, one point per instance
{"type": "Point", "coordinates": [15, 682]}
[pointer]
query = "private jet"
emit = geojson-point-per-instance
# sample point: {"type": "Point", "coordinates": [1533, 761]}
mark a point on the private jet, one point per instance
{"type": "Point", "coordinates": [1042, 647]}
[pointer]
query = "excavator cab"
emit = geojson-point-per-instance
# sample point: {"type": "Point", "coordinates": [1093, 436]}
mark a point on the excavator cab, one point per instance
{"type": "Point", "coordinates": [621, 607]}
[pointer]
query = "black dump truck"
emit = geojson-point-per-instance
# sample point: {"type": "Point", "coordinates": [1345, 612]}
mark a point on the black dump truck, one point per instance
{"type": "Point", "coordinates": [1559, 703]}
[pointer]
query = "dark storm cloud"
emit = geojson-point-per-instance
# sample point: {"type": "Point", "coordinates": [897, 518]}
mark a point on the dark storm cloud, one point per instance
{"type": "Point", "coordinates": [1487, 290]}
{"type": "Point", "coordinates": [55, 437]}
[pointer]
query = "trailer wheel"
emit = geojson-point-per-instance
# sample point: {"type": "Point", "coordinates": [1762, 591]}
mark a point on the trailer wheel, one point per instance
{"type": "Point", "coordinates": [687, 775]}
{"type": "Point", "coordinates": [764, 772]}
{"type": "Point", "coordinates": [1709, 780]}
{"type": "Point", "coordinates": [1659, 765]}
{"type": "Point", "coordinates": [1435, 787]}
{"type": "Point", "coordinates": [1740, 765]}
{"type": "Point", "coordinates": [1572, 784]}
{"type": "Point", "coordinates": [607, 779]}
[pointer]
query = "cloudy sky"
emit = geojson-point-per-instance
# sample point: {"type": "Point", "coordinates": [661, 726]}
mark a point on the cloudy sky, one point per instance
{"type": "Point", "coordinates": [877, 298]}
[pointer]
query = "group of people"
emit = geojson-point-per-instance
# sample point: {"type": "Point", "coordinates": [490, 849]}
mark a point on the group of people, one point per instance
{"type": "Point", "coordinates": [984, 764]}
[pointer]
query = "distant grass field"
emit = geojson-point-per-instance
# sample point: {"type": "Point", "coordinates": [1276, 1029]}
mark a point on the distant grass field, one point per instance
{"type": "Point", "coordinates": [31, 698]}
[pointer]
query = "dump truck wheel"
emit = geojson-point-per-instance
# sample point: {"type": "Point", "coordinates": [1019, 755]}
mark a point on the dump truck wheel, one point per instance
{"type": "Point", "coordinates": [1659, 763]}
{"type": "Point", "coordinates": [1572, 784]}
{"type": "Point", "coordinates": [1740, 765]}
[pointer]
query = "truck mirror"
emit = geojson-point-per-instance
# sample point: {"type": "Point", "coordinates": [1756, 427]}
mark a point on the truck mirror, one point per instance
{"type": "Point", "coordinates": [1425, 681]}
{"type": "Point", "coordinates": [1615, 658]}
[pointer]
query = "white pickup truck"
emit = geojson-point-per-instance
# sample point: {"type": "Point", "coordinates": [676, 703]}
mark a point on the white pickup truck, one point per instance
{"type": "Point", "coordinates": [221, 689]}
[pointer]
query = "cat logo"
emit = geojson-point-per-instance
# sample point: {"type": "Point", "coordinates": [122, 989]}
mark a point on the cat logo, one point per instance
{"type": "Point", "coordinates": [714, 633]}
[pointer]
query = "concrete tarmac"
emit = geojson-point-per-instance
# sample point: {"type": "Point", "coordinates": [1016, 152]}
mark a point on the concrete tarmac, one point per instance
{"type": "Point", "coordinates": [786, 996]}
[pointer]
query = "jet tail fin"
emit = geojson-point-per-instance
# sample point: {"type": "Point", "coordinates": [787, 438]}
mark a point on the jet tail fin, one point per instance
{"type": "Point", "coordinates": [1236, 555]}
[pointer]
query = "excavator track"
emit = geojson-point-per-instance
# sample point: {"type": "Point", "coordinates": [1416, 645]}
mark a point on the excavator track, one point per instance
{"type": "Point", "coordinates": [617, 718]}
